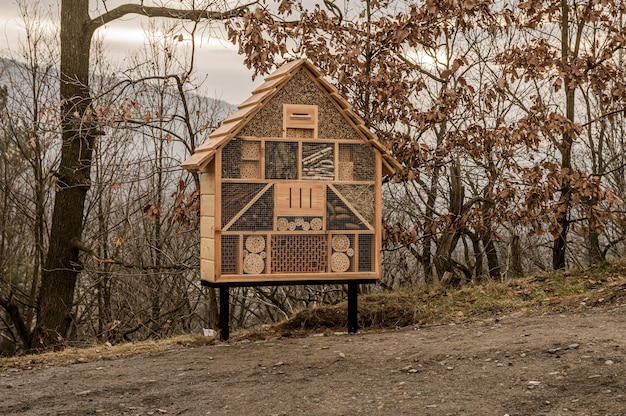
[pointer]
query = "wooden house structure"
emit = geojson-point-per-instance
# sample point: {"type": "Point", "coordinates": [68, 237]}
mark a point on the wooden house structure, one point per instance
{"type": "Point", "coordinates": [291, 187]}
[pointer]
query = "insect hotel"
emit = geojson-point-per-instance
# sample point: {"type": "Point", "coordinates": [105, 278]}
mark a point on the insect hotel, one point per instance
{"type": "Point", "coordinates": [290, 188]}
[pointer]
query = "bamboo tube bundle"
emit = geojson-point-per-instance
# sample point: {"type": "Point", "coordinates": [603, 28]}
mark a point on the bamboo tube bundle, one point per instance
{"type": "Point", "coordinates": [339, 262]}
{"type": "Point", "coordinates": [253, 263]}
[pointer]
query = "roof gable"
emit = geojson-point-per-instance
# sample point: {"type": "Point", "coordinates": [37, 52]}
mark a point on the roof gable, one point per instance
{"type": "Point", "coordinates": [297, 82]}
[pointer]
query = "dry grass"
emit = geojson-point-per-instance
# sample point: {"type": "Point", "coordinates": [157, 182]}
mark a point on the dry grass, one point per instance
{"type": "Point", "coordinates": [548, 292]}
{"type": "Point", "coordinates": [106, 351]}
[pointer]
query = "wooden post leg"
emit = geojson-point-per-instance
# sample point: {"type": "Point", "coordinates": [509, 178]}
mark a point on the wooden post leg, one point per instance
{"type": "Point", "coordinates": [224, 313]}
{"type": "Point", "coordinates": [353, 325]}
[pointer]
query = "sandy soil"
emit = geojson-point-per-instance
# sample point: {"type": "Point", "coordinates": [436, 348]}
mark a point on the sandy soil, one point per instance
{"type": "Point", "coordinates": [562, 364]}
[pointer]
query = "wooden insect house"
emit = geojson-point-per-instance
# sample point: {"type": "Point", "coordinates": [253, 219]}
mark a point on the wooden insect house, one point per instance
{"type": "Point", "coordinates": [291, 187]}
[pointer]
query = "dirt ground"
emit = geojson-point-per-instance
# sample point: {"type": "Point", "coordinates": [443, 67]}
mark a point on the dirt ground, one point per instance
{"type": "Point", "coordinates": [560, 364]}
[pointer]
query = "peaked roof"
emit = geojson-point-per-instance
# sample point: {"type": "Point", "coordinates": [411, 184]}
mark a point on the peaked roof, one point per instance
{"type": "Point", "coordinates": [261, 95]}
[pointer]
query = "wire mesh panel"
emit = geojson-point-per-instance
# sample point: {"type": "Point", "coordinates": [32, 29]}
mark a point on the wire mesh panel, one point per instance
{"type": "Point", "coordinates": [356, 162]}
{"type": "Point", "coordinates": [361, 197]}
{"type": "Point", "coordinates": [235, 196]}
{"type": "Point", "coordinates": [231, 160]}
{"type": "Point", "coordinates": [339, 216]}
{"type": "Point", "coordinates": [366, 253]}
{"type": "Point", "coordinates": [318, 161]}
{"type": "Point", "coordinates": [260, 216]}
{"type": "Point", "coordinates": [299, 253]}
{"type": "Point", "coordinates": [281, 160]}
{"type": "Point", "coordinates": [230, 253]}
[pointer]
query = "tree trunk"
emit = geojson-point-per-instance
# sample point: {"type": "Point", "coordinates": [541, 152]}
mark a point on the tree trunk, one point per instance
{"type": "Point", "coordinates": [516, 257]}
{"type": "Point", "coordinates": [62, 263]}
{"type": "Point", "coordinates": [565, 200]}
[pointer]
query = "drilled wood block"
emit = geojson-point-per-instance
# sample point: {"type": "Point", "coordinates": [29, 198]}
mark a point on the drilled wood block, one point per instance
{"type": "Point", "coordinates": [250, 150]}
{"type": "Point", "coordinates": [250, 169]}
{"type": "Point", "coordinates": [345, 171]}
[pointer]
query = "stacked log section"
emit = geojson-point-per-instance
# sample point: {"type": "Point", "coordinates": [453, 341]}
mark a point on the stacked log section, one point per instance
{"type": "Point", "coordinates": [318, 161]}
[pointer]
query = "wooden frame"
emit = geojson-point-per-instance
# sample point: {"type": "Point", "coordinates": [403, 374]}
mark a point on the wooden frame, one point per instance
{"type": "Point", "coordinates": [291, 191]}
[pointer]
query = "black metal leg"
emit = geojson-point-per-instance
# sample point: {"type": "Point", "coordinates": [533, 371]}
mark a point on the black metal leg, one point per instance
{"type": "Point", "coordinates": [353, 325]}
{"type": "Point", "coordinates": [224, 313]}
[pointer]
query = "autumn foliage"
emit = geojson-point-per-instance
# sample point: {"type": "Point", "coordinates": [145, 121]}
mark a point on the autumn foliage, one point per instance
{"type": "Point", "coordinates": [505, 115]}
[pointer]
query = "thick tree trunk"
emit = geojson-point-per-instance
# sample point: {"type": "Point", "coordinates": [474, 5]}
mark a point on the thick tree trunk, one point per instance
{"type": "Point", "coordinates": [559, 246]}
{"type": "Point", "coordinates": [62, 265]}
{"type": "Point", "coordinates": [516, 257]}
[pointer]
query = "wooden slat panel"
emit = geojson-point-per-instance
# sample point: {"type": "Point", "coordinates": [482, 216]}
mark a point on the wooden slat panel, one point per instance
{"type": "Point", "coordinates": [207, 227]}
{"type": "Point", "coordinates": [207, 205]}
{"type": "Point", "coordinates": [207, 249]}
{"type": "Point", "coordinates": [304, 199]}
{"type": "Point", "coordinates": [207, 270]}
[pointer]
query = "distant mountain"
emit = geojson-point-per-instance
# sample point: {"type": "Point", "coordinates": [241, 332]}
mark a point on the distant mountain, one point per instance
{"type": "Point", "coordinates": [13, 73]}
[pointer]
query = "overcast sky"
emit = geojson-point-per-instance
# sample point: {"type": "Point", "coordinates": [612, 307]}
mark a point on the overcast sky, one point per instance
{"type": "Point", "coordinates": [216, 59]}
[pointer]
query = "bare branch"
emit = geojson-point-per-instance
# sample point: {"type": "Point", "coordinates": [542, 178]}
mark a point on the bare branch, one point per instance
{"type": "Point", "coordinates": [153, 11]}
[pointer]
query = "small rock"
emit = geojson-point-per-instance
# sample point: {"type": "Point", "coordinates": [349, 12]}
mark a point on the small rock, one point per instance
{"type": "Point", "coordinates": [534, 383]}
{"type": "Point", "coordinates": [342, 355]}
{"type": "Point", "coordinates": [609, 362]}
{"type": "Point", "coordinates": [573, 346]}
{"type": "Point", "coordinates": [83, 393]}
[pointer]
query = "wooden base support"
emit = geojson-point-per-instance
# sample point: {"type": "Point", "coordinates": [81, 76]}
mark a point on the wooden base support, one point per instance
{"type": "Point", "coordinates": [224, 313]}
{"type": "Point", "coordinates": [353, 287]}
{"type": "Point", "coordinates": [353, 324]}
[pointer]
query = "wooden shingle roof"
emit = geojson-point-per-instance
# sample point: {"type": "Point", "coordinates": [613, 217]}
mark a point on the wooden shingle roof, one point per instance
{"type": "Point", "coordinates": [261, 95]}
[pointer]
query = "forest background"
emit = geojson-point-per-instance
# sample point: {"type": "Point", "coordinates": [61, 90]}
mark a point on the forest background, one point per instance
{"type": "Point", "coordinates": [507, 116]}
